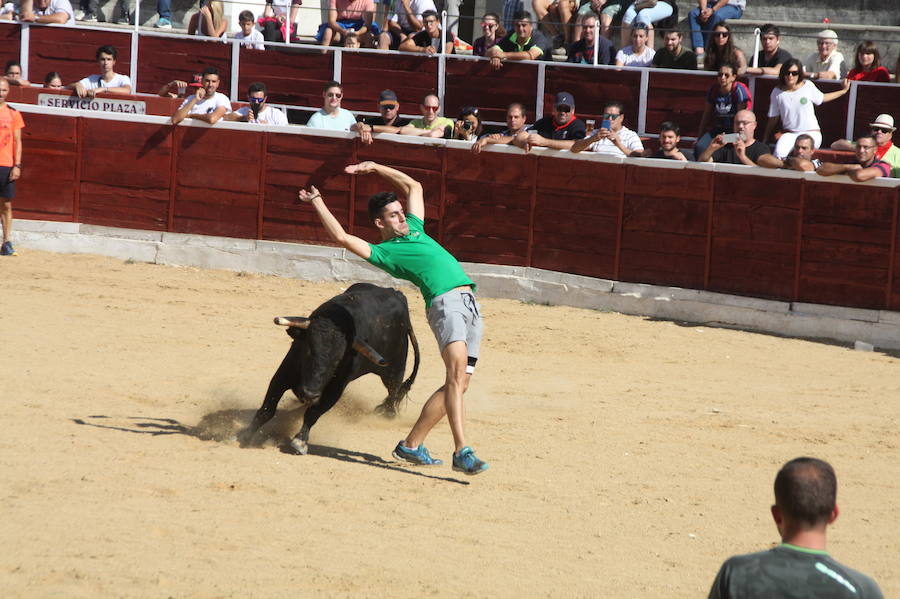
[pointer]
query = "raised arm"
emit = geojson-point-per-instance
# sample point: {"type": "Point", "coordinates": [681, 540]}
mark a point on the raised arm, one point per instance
{"type": "Point", "coordinates": [836, 94]}
{"type": "Point", "coordinates": [334, 229]}
{"type": "Point", "coordinates": [408, 186]}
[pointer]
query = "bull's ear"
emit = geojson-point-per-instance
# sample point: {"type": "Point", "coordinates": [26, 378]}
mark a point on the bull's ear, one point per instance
{"type": "Point", "coordinates": [299, 322]}
{"type": "Point", "coordinates": [366, 350]}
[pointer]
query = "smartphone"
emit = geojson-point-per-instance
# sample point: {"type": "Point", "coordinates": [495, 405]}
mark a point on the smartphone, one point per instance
{"type": "Point", "coordinates": [730, 138]}
{"type": "Point", "coordinates": [606, 124]}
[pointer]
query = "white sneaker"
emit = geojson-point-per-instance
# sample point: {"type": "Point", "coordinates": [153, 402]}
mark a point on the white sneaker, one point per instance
{"type": "Point", "coordinates": [79, 15]}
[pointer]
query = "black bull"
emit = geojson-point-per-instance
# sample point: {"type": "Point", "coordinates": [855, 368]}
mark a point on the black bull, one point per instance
{"type": "Point", "coordinates": [365, 329]}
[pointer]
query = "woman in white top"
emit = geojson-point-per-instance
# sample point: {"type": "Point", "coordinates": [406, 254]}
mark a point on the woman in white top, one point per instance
{"type": "Point", "coordinates": [638, 54]}
{"type": "Point", "coordinates": [792, 102]}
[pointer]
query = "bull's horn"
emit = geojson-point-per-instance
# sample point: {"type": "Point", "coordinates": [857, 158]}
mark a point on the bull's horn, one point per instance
{"type": "Point", "coordinates": [298, 322]}
{"type": "Point", "coordinates": [365, 349]}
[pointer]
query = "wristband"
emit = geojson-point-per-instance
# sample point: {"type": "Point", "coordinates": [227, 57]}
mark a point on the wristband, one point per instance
{"type": "Point", "coordinates": [18, 166]}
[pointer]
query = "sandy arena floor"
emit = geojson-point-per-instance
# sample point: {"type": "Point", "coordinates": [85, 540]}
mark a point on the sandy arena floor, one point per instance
{"type": "Point", "coordinates": [628, 457]}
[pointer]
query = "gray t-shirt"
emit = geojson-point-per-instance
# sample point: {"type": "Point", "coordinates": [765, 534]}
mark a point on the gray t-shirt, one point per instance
{"type": "Point", "coordinates": [789, 572]}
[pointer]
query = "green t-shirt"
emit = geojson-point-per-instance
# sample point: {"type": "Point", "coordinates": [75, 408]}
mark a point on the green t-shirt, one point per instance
{"type": "Point", "coordinates": [421, 260]}
{"type": "Point", "coordinates": [789, 572]}
{"type": "Point", "coordinates": [892, 157]}
{"type": "Point", "coordinates": [439, 122]}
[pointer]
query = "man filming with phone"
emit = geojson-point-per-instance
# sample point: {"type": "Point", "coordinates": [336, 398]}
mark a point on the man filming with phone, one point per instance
{"type": "Point", "coordinates": [613, 138]}
{"type": "Point", "coordinates": [740, 147]}
{"type": "Point", "coordinates": [258, 111]}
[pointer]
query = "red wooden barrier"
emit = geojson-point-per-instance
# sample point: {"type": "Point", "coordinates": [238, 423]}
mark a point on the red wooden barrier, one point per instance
{"type": "Point", "coordinates": [476, 83]}
{"type": "Point", "coordinates": [10, 41]}
{"type": "Point", "coordinates": [367, 74]}
{"type": "Point", "coordinates": [679, 98]}
{"type": "Point", "coordinates": [292, 76]}
{"type": "Point", "coordinates": [730, 230]}
{"type": "Point", "coordinates": [592, 88]}
{"type": "Point", "coordinates": [72, 52]}
{"type": "Point", "coordinates": [154, 104]}
{"type": "Point", "coordinates": [872, 100]}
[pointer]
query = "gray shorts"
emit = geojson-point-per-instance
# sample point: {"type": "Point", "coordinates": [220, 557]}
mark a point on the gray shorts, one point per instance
{"type": "Point", "coordinates": [456, 316]}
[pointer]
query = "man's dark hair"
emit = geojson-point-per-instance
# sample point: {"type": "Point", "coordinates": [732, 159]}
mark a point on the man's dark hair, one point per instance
{"type": "Point", "coordinates": [806, 137]}
{"type": "Point", "coordinates": [10, 64]}
{"type": "Point", "coordinates": [245, 15]}
{"type": "Point", "coordinates": [669, 126]}
{"type": "Point", "coordinates": [868, 136]}
{"type": "Point", "coordinates": [770, 28]}
{"type": "Point", "coordinates": [257, 86]}
{"type": "Point", "coordinates": [430, 13]}
{"type": "Point", "coordinates": [378, 201]}
{"type": "Point", "coordinates": [806, 490]}
{"type": "Point", "coordinates": [111, 50]}
{"type": "Point", "coordinates": [331, 84]}
{"type": "Point", "coordinates": [614, 104]}
{"type": "Point", "coordinates": [51, 76]}
{"type": "Point", "coordinates": [210, 71]}
{"type": "Point", "coordinates": [522, 16]}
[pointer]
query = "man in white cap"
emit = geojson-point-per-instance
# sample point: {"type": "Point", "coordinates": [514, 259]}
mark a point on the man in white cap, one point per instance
{"type": "Point", "coordinates": [882, 129]}
{"type": "Point", "coordinates": [827, 62]}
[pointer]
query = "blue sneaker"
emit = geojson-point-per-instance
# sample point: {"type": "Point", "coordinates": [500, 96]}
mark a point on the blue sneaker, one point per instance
{"type": "Point", "coordinates": [163, 23]}
{"type": "Point", "coordinates": [465, 461]}
{"type": "Point", "coordinates": [7, 249]}
{"type": "Point", "coordinates": [419, 455]}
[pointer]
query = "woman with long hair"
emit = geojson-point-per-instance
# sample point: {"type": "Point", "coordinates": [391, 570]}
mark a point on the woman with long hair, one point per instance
{"type": "Point", "coordinates": [720, 49]}
{"type": "Point", "coordinates": [723, 100]}
{"type": "Point", "coordinates": [638, 54]}
{"type": "Point", "coordinates": [493, 32]}
{"type": "Point", "coordinates": [209, 20]}
{"type": "Point", "coordinates": [792, 102]}
{"type": "Point", "coordinates": [468, 124]}
{"type": "Point", "coordinates": [868, 65]}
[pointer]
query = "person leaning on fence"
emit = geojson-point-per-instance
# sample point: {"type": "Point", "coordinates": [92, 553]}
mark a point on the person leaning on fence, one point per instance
{"type": "Point", "coordinates": [107, 81]}
{"type": "Point", "coordinates": [49, 11]}
{"type": "Point", "coordinates": [802, 157]}
{"type": "Point", "coordinates": [826, 62]}
{"type": "Point", "coordinates": [742, 147]}
{"type": "Point", "coordinates": [883, 131]}
{"type": "Point", "coordinates": [431, 124]}
{"type": "Point", "coordinates": [515, 133]}
{"type": "Point", "coordinates": [709, 13]}
{"type": "Point", "coordinates": [792, 104]}
{"type": "Point", "coordinates": [388, 120]}
{"type": "Point", "coordinates": [805, 505]}
{"type": "Point", "coordinates": [673, 55]}
{"type": "Point", "coordinates": [349, 15]}
{"type": "Point", "coordinates": [259, 110]}
{"type": "Point", "coordinates": [406, 21]}
{"type": "Point", "coordinates": [11, 125]}
{"type": "Point", "coordinates": [560, 130]}
{"type": "Point", "coordinates": [772, 55]}
{"type": "Point", "coordinates": [492, 32]}
{"type": "Point", "coordinates": [205, 104]}
{"type": "Point", "coordinates": [251, 37]}
{"type": "Point", "coordinates": [53, 80]}
{"type": "Point", "coordinates": [467, 126]}
{"type": "Point", "coordinates": [12, 72]}
{"type": "Point", "coordinates": [428, 41]}
{"type": "Point", "coordinates": [867, 166]}
{"type": "Point", "coordinates": [582, 51]}
{"type": "Point", "coordinates": [669, 138]}
{"type": "Point", "coordinates": [522, 44]}
{"type": "Point", "coordinates": [332, 116]}
{"type": "Point", "coordinates": [612, 138]}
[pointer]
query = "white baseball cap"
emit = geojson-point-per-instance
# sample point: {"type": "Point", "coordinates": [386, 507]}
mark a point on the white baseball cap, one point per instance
{"type": "Point", "coordinates": [884, 120]}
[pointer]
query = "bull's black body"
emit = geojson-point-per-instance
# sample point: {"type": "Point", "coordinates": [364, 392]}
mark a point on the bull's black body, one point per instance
{"type": "Point", "coordinates": [322, 361]}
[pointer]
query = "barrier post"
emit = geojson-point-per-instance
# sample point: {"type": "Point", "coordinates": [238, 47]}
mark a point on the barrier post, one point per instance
{"type": "Point", "coordinates": [851, 110]}
{"type": "Point", "coordinates": [642, 102]}
{"type": "Point", "coordinates": [539, 101]}
{"type": "Point", "coordinates": [235, 68]}
{"type": "Point", "coordinates": [24, 42]}
{"type": "Point", "coordinates": [596, 39]}
{"type": "Point", "coordinates": [337, 64]}
{"type": "Point", "coordinates": [133, 71]}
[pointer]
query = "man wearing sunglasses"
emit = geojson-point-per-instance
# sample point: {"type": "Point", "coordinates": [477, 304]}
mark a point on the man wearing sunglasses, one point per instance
{"type": "Point", "coordinates": [559, 131]}
{"type": "Point", "coordinates": [867, 166]}
{"type": "Point", "coordinates": [388, 121]}
{"type": "Point", "coordinates": [883, 131]}
{"type": "Point", "coordinates": [258, 111]}
{"type": "Point", "coordinates": [613, 140]}
{"type": "Point", "coordinates": [332, 116]}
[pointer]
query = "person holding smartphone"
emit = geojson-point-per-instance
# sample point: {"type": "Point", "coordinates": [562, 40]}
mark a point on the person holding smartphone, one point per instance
{"type": "Point", "coordinates": [258, 111]}
{"type": "Point", "coordinates": [613, 137]}
{"type": "Point", "coordinates": [740, 147]}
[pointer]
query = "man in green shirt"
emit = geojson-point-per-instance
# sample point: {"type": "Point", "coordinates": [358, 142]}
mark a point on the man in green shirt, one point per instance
{"type": "Point", "coordinates": [805, 504]}
{"type": "Point", "coordinates": [454, 315]}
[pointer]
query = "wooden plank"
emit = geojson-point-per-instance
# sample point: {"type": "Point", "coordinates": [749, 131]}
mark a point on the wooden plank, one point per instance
{"type": "Point", "coordinates": [592, 88]}
{"type": "Point", "coordinates": [124, 154]}
{"type": "Point", "coordinates": [872, 100]}
{"type": "Point", "coordinates": [117, 206]}
{"type": "Point", "coordinates": [674, 97]}
{"type": "Point", "coordinates": [162, 59]}
{"type": "Point", "coordinates": [10, 42]}
{"type": "Point", "coordinates": [366, 74]}
{"type": "Point", "coordinates": [72, 52]}
{"type": "Point", "coordinates": [475, 82]}
{"type": "Point", "coordinates": [292, 75]}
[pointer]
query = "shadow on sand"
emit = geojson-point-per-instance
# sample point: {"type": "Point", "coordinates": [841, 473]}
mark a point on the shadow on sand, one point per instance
{"type": "Point", "coordinates": [223, 426]}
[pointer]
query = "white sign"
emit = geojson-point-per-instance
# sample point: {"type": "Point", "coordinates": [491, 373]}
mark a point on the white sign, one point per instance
{"type": "Point", "coordinates": [96, 104]}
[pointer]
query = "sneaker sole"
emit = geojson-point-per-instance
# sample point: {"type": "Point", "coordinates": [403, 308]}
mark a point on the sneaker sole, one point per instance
{"type": "Point", "coordinates": [470, 473]}
{"type": "Point", "coordinates": [405, 460]}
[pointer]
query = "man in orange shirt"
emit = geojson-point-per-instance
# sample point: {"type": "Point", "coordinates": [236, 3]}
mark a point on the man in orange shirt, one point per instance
{"type": "Point", "coordinates": [11, 125]}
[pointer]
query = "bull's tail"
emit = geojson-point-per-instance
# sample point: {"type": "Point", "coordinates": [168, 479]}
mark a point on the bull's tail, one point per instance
{"type": "Point", "coordinates": [389, 406]}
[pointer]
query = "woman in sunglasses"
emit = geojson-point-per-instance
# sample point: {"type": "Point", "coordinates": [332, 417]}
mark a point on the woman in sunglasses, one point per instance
{"type": "Point", "coordinates": [723, 101]}
{"type": "Point", "coordinates": [793, 103]}
{"type": "Point", "coordinates": [720, 49]}
{"type": "Point", "coordinates": [868, 65]}
{"type": "Point", "coordinates": [493, 32]}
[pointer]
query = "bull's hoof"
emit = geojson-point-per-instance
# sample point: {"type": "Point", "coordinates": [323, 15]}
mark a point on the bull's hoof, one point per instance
{"type": "Point", "coordinates": [245, 437]}
{"type": "Point", "coordinates": [299, 446]}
